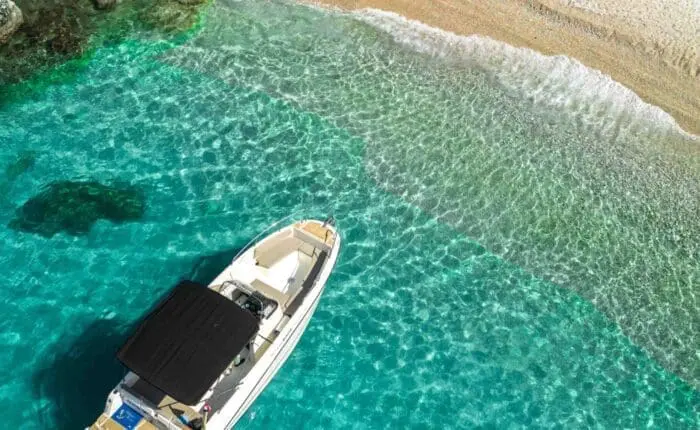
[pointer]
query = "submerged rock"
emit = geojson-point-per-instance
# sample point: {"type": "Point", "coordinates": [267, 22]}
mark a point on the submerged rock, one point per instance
{"type": "Point", "coordinates": [170, 16]}
{"type": "Point", "coordinates": [65, 42]}
{"type": "Point", "coordinates": [10, 19]}
{"type": "Point", "coordinates": [74, 207]}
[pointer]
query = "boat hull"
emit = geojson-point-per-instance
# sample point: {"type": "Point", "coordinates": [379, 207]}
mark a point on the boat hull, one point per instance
{"type": "Point", "coordinates": [127, 400]}
{"type": "Point", "coordinates": [276, 355]}
{"type": "Point", "coordinates": [272, 371]}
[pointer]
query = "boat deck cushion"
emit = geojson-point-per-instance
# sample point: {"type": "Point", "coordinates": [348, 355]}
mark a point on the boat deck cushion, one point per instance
{"type": "Point", "coordinates": [187, 341]}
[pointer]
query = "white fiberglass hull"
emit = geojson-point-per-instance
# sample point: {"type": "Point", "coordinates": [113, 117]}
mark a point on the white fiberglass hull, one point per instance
{"type": "Point", "coordinates": [288, 268]}
{"type": "Point", "coordinates": [265, 369]}
{"type": "Point", "coordinates": [247, 395]}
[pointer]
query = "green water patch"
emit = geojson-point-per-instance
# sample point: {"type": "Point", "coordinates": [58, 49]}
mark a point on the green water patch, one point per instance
{"type": "Point", "coordinates": [73, 207]}
{"type": "Point", "coordinates": [585, 192]}
{"type": "Point", "coordinates": [25, 160]}
{"type": "Point", "coordinates": [15, 169]}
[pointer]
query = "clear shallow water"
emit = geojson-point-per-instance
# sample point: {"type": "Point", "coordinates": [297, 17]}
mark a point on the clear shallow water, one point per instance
{"type": "Point", "coordinates": [549, 164]}
{"type": "Point", "coordinates": [419, 325]}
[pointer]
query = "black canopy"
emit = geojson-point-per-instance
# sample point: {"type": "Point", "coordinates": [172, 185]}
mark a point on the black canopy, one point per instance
{"type": "Point", "coordinates": [188, 341]}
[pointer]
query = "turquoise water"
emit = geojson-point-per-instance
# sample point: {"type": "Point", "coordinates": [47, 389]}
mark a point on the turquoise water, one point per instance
{"type": "Point", "coordinates": [546, 163]}
{"type": "Point", "coordinates": [425, 322]}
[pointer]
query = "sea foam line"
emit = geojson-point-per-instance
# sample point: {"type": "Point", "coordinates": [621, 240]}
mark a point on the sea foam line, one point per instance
{"type": "Point", "coordinates": [556, 82]}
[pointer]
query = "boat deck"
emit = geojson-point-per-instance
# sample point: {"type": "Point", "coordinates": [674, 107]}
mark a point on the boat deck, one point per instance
{"type": "Point", "coordinates": [325, 234]}
{"type": "Point", "coordinates": [167, 406]}
{"type": "Point", "coordinates": [172, 409]}
{"type": "Point", "coordinates": [104, 422]}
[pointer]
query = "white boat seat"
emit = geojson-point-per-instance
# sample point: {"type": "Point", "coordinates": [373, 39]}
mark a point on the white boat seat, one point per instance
{"type": "Point", "coordinates": [270, 252]}
{"type": "Point", "coordinates": [269, 291]}
{"type": "Point", "coordinates": [310, 239]}
{"type": "Point", "coordinates": [282, 273]}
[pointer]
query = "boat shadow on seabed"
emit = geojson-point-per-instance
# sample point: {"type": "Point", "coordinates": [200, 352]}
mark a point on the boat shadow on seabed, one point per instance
{"type": "Point", "coordinates": [72, 386]}
{"type": "Point", "coordinates": [78, 376]}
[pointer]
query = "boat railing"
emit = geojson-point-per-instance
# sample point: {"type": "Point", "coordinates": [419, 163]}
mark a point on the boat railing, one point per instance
{"type": "Point", "coordinates": [263, 233]}
{"type": "Point", "coordinates": [330, 220]}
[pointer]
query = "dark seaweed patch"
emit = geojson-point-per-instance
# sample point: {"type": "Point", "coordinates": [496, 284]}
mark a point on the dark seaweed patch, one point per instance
{"type": "Point", "coordinates": [73, 207]}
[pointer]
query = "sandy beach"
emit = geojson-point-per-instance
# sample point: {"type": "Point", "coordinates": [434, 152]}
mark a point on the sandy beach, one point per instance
{"type": "Point", "coordinates": [650, 47]}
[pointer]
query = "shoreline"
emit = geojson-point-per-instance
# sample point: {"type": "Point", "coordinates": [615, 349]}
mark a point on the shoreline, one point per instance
{"type": "Point", "coordinates": [661, 67]}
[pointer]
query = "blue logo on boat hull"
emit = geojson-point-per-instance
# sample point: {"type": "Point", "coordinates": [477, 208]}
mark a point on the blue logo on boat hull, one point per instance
{"type": "Point", "coordinates": [127, 417]}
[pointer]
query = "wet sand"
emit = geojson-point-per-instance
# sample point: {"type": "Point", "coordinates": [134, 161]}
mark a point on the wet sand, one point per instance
{"type": "Point", "coordinates": [651, 49]}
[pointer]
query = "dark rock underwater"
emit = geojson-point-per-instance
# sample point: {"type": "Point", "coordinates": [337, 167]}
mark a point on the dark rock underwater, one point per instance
{"type": "Point", "coordinates": [73, 207]}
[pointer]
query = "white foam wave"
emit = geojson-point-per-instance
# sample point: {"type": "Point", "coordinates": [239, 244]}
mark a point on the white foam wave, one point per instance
{"type": "Point", "coordinates": [556, 82]}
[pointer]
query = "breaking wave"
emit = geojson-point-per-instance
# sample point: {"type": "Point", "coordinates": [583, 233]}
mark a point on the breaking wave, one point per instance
{"type": "Point", "coordinates": [553, 82]}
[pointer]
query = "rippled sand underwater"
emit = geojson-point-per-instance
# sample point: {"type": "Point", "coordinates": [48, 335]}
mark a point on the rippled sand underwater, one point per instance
{"type": "Point", "coordinates": [552, 165]}
{"type": "Point", "coordinates": [470, 213]}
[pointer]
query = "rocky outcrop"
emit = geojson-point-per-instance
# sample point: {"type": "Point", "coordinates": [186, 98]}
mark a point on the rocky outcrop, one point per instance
{"type": "Point", "coordinates": [170, 16]}
{"type": "Point", "coordinates": [10, 19]}
{"type": "Point", "coordinates": [49, 32]}
{"type": "Point", "coordinates": [57, 30]}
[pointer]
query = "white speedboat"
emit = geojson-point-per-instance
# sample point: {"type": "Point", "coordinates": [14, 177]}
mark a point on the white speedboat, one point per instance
{"type": "Point", "coordinates": [204, 354]}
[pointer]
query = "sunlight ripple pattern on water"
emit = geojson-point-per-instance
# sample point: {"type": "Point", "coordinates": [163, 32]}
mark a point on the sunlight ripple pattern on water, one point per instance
{"type": "Point", "coordinates": [594, 193]}
{"type": "Point", "coordinates": [420, 325]}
